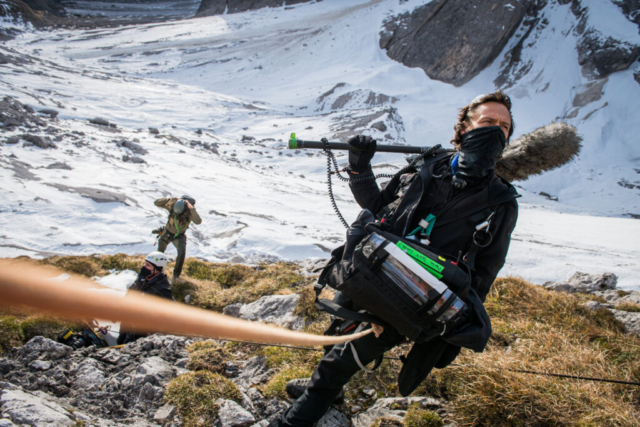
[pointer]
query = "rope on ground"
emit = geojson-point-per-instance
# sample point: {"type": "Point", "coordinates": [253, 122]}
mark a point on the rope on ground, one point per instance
{"type": "Point", "coordinates": [78, 299]}
{"type": "Point", "coordinates": [521, 371]}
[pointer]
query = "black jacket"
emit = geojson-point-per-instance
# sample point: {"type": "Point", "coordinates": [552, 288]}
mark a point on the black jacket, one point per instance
{"type": "Point", "coordinates": [159, 286]}
{"type": "Point", "coordinates": [456, 220]}
{"type": "Point", "coordinates": [457, 212]}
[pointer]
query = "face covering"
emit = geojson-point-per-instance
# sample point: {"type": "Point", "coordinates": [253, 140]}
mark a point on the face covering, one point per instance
{"type": "Point", "coordinates": [478, 154]}
{"type": "Point", "coordinates": [144, 273]}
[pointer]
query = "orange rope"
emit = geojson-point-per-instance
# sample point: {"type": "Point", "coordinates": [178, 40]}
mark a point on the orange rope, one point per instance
{"type": "Point", "coordinates": [26, 285]}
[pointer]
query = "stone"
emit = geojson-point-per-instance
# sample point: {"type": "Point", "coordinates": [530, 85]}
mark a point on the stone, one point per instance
{"type": "Point", "coordinates": [89, 375]}
{"type": "Point", "coordinates": [232, 310]}
{"type": "Point", "coordinates": [165, 414]}
{"type": "Point", "coordinates": [379, 126]}
{"type": "Point", "coordinates": [14, 139]}
{"type": "Point", "coordinates": [382, 408]}
{"type": "Point", "coordinates": [59, 165]}
{"type": "Point", "coordinates": [4, 422]}
{"type": "Point", "coordinates": [589, 92]}
{"type": "Point", "coordinates": [253, 372]}
{"type": "Point", "coordinates": [49, 112]}
{"type": "Point", "coordinates": [586, 283]}
{"type": "Point", "coordinates": [155, 371]}
{"type": "Point", "coordinates": [133, 159]}
{"type": "Point", "coordinates": [231, 414]}
{"type": "Point", "coordinates": [43, 349]}
{"type": "Point", "coordinates": [333, 418]}
{"type": "Point", "coordinates": [154, 131]}
{"type": "Point", "coordinates": [602, 56]}
{"type": "Point", "coordinates": [99, 121]}
{"type": "Point", "coordinates": [39, 141]}
{"type": "Point", "coordinates": [277, 309]}
{"type": "Point", "coordinates": [25, 408]}
{"type": "Point", "coordinates": [136, 148]}
{"type": "Point", "coordinates": [592, 305]}
{"type": "Point", "coordinates": [40, 365]}
{"type": "Point", "coordinates": [631, 320]}
{"type": "Point", "coordinates": [113, 357]}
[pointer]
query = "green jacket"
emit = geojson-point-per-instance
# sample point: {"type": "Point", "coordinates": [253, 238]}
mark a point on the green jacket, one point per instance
{"type": "Point", "coordinates": [183, 220]}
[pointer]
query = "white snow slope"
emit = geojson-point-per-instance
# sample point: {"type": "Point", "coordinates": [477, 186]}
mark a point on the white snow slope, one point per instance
{"type": "Point", "coordinates": [262, 74]}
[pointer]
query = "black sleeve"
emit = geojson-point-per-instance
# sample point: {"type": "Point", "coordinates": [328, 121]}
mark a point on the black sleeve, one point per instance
{"type": "Point", "coordinates": [491, 259]}
{"type": "Point", "coordinates": [367, 193]}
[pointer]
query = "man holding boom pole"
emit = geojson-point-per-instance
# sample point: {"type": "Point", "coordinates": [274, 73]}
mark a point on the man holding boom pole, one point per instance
{"type": "Point", "coordinates": [455, 204]}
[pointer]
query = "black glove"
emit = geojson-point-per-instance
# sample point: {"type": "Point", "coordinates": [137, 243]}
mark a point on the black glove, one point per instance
{"type": "Point", "coordinates": [360, 158]}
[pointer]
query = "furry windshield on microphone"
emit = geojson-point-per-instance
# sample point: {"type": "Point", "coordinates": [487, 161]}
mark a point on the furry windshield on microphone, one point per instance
{"type": "Point", "coordinates": [544, 149]}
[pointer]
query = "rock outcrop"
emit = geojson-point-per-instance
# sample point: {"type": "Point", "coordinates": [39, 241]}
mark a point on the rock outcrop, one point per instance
{"type": "Point", "coordinates": [218, 7]}
{"type": "Point", "coordinates": [452, 40]}
{"type": "Point", "coordinates": [623, 305]}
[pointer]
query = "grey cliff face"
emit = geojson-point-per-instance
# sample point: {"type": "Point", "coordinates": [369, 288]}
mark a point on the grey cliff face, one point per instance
{"type": "Point", "coordinates": [452, 40]}
{"type": "Point", "coordinates": [218, 7]}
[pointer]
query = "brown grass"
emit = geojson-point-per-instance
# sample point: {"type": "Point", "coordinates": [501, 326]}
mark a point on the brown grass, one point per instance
{"type": "Point", "coordinates": [544, 331]}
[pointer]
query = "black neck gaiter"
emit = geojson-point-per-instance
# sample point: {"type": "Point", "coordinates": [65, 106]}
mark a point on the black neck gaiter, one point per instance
{"type": "Point", "coordinates": [478, 153]}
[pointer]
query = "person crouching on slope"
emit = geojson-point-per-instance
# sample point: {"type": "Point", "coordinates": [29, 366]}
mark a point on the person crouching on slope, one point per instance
{"type": "Point", "coordinates": [181, 213]}
{"type": "Point", "coordinates": [150, 281]}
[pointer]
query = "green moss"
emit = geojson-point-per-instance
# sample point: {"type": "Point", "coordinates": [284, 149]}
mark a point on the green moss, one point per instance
{"type": "Point", "coordinates": [10, 333]}
{"type": "Point", "coordinates": [81, 265]}
{"type": "Point", "coordinates": [208, 357]}
{"type": "Point", "coordinates": [629, 306]}
{"type": "Point", "coordinates": [622, 293]}
{"type": "Point", "coordinates": [386, 422]}
{"type": "Point", "coordinates": [276, 386]}
{"type": "Point", "coordinates": [306, 307]}
{"type": "Point", "coordinates": [194, 395]}
{"type": "Point", "coordinates": [198, 270]}
{"type": "Point", "coordinates": [182, 287]}
{"type": "Point", "coordinates": [233, 275]}
{"type": "Point", "coordinates": [120, 262]}
{"type": "Point", "coordinates": [48, 327]}
{"type": "Point", "coordinates": [417, 417]}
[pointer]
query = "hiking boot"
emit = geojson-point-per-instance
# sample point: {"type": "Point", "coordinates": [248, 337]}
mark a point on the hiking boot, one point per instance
{"type": "Point", "coordinates": [295, 389]}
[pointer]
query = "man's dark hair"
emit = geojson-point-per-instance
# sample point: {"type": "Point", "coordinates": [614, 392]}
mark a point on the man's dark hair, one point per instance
{"type": "Point", "coordinates": [467, 113]}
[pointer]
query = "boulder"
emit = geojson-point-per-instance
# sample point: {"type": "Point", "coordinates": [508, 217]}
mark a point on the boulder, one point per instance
{"type": "Point", "coordinates": [602, 56]}
{"type": "Point", "coordinates": [276, 309]}
{"type": "Point", "coordinates": [424, 37]}
{"type": "Point", "coordinates": [382, 408]}
{"type": "Point", "coordinates": [43, 349]}
{"type": "Point", "coordinates": [27, 409]}
{"type": "Point", "coordinates": [89, 375]}
{"type": "Point", "coordinates": [164, 415]}
{"type": "Point", "coordinates": [631, 320]}
{"type": "Point", "coordinates": [231, 414]}
{"type": "Point", "coordinates": [155, 371]}
{"type": "Point", "coordinates": [586, 283]}
{"type": "Point", "coordinates": [333, 418]}
{"type": "Point", "coordinates": [59, 165]}
{"type": "Point", "coordinates": [253, 372]}
{"type": "Point", "coordinates": [38, 141]}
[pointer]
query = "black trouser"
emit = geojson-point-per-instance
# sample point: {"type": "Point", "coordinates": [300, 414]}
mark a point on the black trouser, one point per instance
{"type": "Point", "coordinates": [180, 243]}
{"type": "Point", "coordinates": [333, 372]}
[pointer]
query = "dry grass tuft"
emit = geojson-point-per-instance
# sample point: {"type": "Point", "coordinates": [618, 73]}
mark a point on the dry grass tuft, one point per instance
{"type": "Point", "coordinates": [545, 331]}
{"type": "Point", "coordinates": [418, 417]}
{"type": "Point", "coordinates": [208, 356]}
{"type": "Point", "coordinates": [194, 395]}
{"type": "Point", "coordinates": [271, 279]}
{"type": "Point", "coordinates": [17, 327]}
{"type": "Point", "coordinates": [276, 386]}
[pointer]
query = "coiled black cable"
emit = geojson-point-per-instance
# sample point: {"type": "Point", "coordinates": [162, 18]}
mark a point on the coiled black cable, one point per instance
{"type": "Point", "coordinates": [331, 158]}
